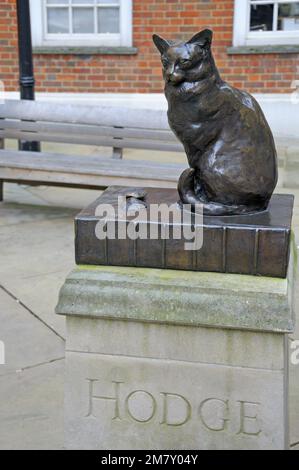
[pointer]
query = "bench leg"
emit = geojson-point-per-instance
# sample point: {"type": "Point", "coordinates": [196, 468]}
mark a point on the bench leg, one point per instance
{"type": "Point", "coordinates": [117, 153]}
{"type": "Point", "coordinates": [1, 190]}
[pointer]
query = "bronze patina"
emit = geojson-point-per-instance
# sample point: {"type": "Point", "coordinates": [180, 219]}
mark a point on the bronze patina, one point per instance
{"type": "Point", "coordinates": [232, 175]}
{"type": "Point", "coordinates": [228, 142]}
{"type": "Point", "coordinates": [256, 244]}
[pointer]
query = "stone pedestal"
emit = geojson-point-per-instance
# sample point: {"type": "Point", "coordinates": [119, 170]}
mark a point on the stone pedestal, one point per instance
{"type": "Point", "coordinates": [163, 359]}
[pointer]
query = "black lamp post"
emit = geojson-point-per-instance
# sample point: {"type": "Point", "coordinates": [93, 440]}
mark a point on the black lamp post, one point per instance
{"type": "Point", "coordinates": [25, 62]}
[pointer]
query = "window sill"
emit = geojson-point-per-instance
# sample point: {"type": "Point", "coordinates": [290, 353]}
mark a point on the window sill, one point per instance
{"type": "Point", "coordinates": [278, 49]}
{"type": "Point", "coordinates": [86, 50]}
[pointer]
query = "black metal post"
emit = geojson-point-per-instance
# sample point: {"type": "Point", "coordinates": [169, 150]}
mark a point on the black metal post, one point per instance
{"type": "Point", "coordinates": [26, 62]}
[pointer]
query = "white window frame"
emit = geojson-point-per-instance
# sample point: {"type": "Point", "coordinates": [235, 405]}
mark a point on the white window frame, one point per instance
{"type": "Point", "coordinates": [244, 37]}
{"type": "Point", "coordinates": [41, 39]}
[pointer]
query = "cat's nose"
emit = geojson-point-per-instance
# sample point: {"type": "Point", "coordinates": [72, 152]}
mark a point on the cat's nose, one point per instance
{"type": "Point", "coordinates": [175, 77]}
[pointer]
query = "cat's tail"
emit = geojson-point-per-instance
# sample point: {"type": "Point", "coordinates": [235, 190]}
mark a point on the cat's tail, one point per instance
{"type": "Point", "coordinates": [188, 195]}
{"type": "Point", "coordinates": [186, 187]}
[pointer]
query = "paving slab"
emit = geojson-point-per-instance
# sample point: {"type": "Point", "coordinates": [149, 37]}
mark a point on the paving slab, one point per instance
{"type": "Point", "coordinates": [17, 214]}
{"type": "Point", "coordinates": [59, 197]}
{"type": "Point", "coordinates": [31, 408]}
{"type": "Point", "coordinates": [20, 194]}
{"type": "Point", "coordinates": [64, 197]}
{"type": "Point", "coordinates": [34, 253]}
{"type": "Point", "coordinates": [31, 380]}
{"type": "Point", "coordinates": [40, 293]}
{"type": "Point", "coordinates": [27, 340]}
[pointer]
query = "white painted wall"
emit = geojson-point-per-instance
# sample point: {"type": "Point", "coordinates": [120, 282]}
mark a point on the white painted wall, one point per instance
{"type": "Point", "coordinates": [282, 112]}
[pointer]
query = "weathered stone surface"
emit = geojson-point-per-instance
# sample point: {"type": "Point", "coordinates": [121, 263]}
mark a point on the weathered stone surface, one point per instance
{"type": "Point", "coordinates": [141, 385]}
{"type": "Point", "coordinates": [118, 402]}
{"type": "Point", "coordinates": [170, 342]}
{"type": "Point", "coordinates": [179, 297]}
{"type": "Point", "coordinates": [143, 371]}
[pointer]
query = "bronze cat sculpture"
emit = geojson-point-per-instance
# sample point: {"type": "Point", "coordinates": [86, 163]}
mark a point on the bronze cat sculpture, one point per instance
{"type": "Point", "coordinates": [228, 142]}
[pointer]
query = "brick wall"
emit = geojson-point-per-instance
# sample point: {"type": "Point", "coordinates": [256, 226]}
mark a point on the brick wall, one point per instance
{"type": "Point", "coordinates": [8, 45]}
{"type": "Point", "coordinates": [141, 73]}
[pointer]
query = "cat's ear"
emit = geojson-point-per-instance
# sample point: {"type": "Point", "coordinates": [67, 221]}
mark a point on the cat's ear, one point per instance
{"type": "Point", "coordinates": [203, 39]}
{"type": "Point", "coordinates": [161, 44]}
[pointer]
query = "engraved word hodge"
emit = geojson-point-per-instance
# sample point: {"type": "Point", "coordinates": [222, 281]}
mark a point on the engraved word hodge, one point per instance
{"type": "Point", "coordinates": [173, 409]}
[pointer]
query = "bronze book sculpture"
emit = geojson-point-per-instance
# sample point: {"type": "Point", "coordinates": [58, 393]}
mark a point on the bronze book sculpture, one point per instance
{"type": "Point", "coordinates": [228, 142]}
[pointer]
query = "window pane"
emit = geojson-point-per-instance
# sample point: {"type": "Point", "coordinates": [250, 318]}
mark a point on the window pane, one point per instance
{"type": "Point", "coordinates": [58, 20]}
{"type": "Point", "coordinates": [57, 2]}
{"type": "Point", "coordinates": [83, 20]}
{"type": "Point", "coordinates": [288, 17]}
{"type": "Point", "coordinates": [108, 20]}
{"type": "Point", "coordinates": [261, 17]}
{"type": "Point", "coordinates": [83, 1]}
{"type": "Point", "coordinates": [111, 2]}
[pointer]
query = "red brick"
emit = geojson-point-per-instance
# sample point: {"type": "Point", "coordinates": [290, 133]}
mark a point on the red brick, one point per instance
{"type": "Point", "coordinates": [141, 73]}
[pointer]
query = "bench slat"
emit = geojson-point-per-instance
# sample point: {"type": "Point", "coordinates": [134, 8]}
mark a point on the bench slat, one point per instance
{"type": "Point", "coordinates": [82, 114]}
{"type": "Point", "coordinates": [82, 180]}
{"type": "Point", "coordinates": [88, 164]}
{"type": "Point", "coordinates": [85, 171]}
{"type": "Point", "coordinates": [92, 140]}
{"type": "Point", "coordinates": [87, 130]}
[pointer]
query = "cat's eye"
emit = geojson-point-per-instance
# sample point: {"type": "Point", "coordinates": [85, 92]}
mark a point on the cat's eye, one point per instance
{"type": "Point", "coordinates": [185, 63]}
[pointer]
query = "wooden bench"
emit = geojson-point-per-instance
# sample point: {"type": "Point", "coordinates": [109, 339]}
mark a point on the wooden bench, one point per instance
{"type": "Point", "coordinates": [118, 128]}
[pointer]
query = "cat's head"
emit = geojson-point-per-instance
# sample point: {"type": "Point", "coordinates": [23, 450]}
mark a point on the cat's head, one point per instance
{"type": "Point", "coordinates": [185, 61]}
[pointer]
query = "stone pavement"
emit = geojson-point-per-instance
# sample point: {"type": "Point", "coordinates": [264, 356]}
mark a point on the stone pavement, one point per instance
{"type": "Point", "coordinates": [36, 246]}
